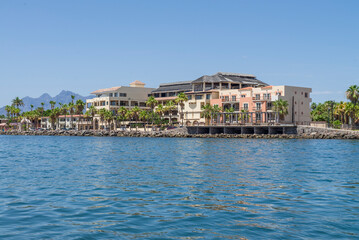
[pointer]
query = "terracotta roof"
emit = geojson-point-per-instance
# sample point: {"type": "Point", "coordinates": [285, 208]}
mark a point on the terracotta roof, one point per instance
{"type": "Point", "coordinates": [106, 90]}
{"type": "Point", "coordinates": [246, 88]}
{"type": "Point", "coordinates": [269, 87]}
{"type": "Point", "coordinates": [138, 83]}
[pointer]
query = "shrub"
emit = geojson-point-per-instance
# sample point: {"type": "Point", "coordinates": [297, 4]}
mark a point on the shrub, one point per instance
{"type": "Point", "coordinates": [337, 124]}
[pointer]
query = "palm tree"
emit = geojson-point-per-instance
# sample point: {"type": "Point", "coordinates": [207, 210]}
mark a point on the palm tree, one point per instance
{"type": "Point", "coordinates": [31, 107]}
{"type": "Point", "coordinates": [54, 117]}
{"type": "Point", "coordinates": [160, 110]}
{"type": "Point", "coordinates": [42, 109]}
{"type": "Point", "coordinates": [63, 110]}
{"type": "Point", "coordinates": [152, 103]}
{"type": "Point", "coordinates": [181, 99]}
{"type": "Point", "coordinates": [143, 115]}
{"type": "Point", "coordinates": [216, 111]}
{"type": "Point", "coordinates": [102, 113]}
{"type": "Point", "coordinates": [109, 118]}
{"type": "Point", "coordinates": [71, 108]}
{"type": "Point", "coordinates": [281, 106]}
{"type": "Point", "coordinates": [135, 114]}
{"type": "Point", "coordinates": [351, 111]}
{"type": "Point", "coordinates": [17, 102]}
{"type": "Point", "coordinates": [206, 113]}
{"type": "Point", "coordinates": [129, 116]}
{"type": "Point", "coordinates": [52, 104]}
{"type": "Point", "coordinates": [340, 111]}
{"type": "Point", "coordinates": [92, 112]}
{"type": "Point", "coordinates": [122, 112]}
{"type": "Point", "coordinates": [8, 110]}
{"type": "Point", "coordinates": [170, 107]}
{"type": "Point", "coordinates": [352, 94]}
{"type": "Point", "coordinates": [79, 108]}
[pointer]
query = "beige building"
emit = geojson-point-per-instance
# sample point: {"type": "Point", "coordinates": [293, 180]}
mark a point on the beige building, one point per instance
{"type": "Point", "coordinates": [114, 98]}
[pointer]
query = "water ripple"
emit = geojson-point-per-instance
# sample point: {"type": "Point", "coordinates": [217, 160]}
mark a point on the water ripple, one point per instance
{"type": "Point", "coordinates": [130, 188]}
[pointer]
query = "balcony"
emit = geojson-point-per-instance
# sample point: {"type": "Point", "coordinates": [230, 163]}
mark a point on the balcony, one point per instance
{"type": "Point", "coordinates": [261, 99]}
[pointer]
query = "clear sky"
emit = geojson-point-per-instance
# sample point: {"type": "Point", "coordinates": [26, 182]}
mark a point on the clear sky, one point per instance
{"type": "Point", "coordinates": [84, 45]}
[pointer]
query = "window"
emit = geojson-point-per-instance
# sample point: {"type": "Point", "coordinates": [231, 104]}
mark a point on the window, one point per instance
{"type": "Point", "coordinates": [306, 95]}
{"type": "Point", "coordinates": [143, 104]}
{"type": "Point", "coordinates": [258, 96]}
{"type": "Point", "coordinates": [233, 98]}
{"type": "Point", "coordinates": [171, 94]}
{"type": "Point", "coordinates": [269, 105]}
{"type": "Point", "coordinates": [266, 96]}
{"type": "Point", "coordinates": [99, 95]}
{"type": "Point", "coordinates": [198, 97]}
{"type": "Point", "coordinates": [116, 94]}
{"type": "Point", "coordinates": [156, 95]}
{"type": "Point", "coordinates": [226, 98]}
{"type": "Point", "coordinates": [208, 96]}
{"type": "Point", "coordinates": [245, 106]}
{"type": "Point", "coordinates": [106, 103]}
{"type": "Point", "coordinates": [123, 103]}
{"type": "Point", "coordinates": [243, 95]}
{"type": "Point", "coordinates": [189, 97]}
{"type": "Point", "coordinates": [258, 116]}
{"type": "Point", "coordinates": [258, 106]}
{"type": "Point", "coordinates": [123, 94]}
{"type": "Point", "coordinates": [111, 94]}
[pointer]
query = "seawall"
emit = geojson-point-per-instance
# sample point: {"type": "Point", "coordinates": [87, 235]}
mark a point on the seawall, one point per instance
{"type": "Point", "coordinates": [302, 132]}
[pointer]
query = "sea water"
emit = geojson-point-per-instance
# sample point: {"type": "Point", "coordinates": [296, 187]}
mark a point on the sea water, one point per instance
{"type": "Point", "coordinates": [173, 188]}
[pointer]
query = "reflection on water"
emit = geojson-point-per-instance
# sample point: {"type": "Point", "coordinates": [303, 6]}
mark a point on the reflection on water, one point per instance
{"type": "Point", "coordinates": [101, 188]}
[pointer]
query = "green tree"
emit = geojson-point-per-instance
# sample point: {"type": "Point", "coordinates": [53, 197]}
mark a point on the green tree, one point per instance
{"type": "Point", "coordinates": [281, 106]}
{"type": "Point", "coordinates": [122, 114]}
{"type": "Point", "coordinates": [52, 104]}
{"type": "Point", "coordinates": [207, 111]}
{"type": "Point", "coordinates": [92, 111]}
{"type": "Point", "coordinates": [181, 99]}
{"type": "Point", "coordinates": [170, 107]}
{"type": "Point", "coordinates": [352, 94]}
{"type": "Point", "coordinates": [152, 103]}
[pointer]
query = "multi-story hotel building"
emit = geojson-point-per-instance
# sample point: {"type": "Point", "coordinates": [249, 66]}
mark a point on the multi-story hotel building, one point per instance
{"type": "Point", "coordinates": [242, 92]}
{"type": "Point", "coordinates": [202, 90]}
{"type": "Point", "coordinates": [114, 98]}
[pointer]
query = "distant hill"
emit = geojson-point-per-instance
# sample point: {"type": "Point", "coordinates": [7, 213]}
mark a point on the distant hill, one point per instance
{"type": "Point", "coordinates": [63, 97]}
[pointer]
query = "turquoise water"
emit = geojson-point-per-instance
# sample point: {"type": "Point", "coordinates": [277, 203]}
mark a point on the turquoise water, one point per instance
{"type": "Point", "coordinates": [158, 188]}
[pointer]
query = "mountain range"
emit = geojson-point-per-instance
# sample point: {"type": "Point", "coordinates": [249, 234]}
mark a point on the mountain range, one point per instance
{"type": "Point", "coordinates": [63, 97]}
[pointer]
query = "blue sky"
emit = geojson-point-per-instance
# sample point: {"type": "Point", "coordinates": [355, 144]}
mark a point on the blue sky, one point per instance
{"type": "Point", "coordinates": [48, 46]}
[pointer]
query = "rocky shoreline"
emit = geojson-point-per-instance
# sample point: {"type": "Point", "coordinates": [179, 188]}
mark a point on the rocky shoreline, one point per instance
{"type": "Point", "coordinates": [303, 132]}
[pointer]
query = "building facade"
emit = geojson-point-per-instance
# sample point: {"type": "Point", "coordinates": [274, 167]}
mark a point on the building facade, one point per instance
{"type": "Point", "coordinates": [243, 95]}
{"type": "Point", "coordinates": [78, 122]}
{"type": "Point", "coordinates": [114, 98]}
